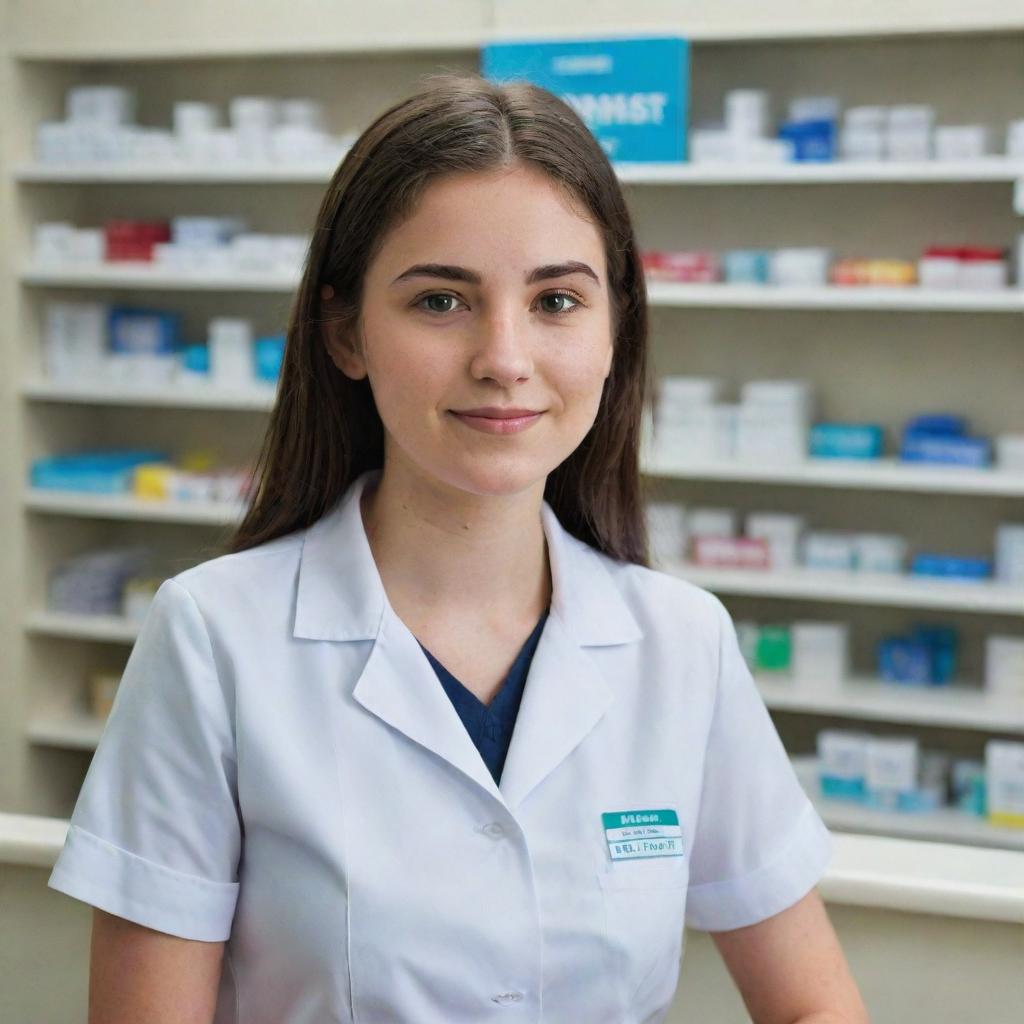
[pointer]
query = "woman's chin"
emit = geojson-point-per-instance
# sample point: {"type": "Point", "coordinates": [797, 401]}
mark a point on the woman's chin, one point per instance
{"type": "Point", "coordinates": [499, 477]}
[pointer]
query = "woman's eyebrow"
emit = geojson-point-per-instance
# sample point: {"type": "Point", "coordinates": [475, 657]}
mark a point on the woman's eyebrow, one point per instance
{"type": "Point", "coordinates": [453, 273]}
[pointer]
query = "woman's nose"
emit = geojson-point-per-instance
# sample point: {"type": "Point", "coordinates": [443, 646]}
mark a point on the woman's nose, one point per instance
{"type": "Point", "coordinates": [501, 347]}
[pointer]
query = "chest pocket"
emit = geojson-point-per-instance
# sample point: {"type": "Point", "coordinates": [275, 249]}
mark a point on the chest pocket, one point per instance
{"type": "Point", "coordinates": [644, 915]}
{"type": "Point", "coordinates": [644, 873]}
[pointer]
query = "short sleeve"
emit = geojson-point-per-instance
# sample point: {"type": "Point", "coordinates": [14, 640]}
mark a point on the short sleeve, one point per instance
{"type": "Point", "coordinates": [759, 844]}
{"type": "Point", "coordinates": [155, 835]}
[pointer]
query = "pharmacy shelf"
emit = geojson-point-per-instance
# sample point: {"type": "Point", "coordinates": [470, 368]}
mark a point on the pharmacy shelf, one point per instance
{"type": "Point", "coordinates": [192, 397]}
{"type": "Point", "coordinates": [958, 705]}
{"type": "Point", "coordinates": [205, 47]}
{"type": "Point", "coordinates": [903, 591]}
{"type": "Point", "coordinates": [171, 173]}
{"type": "Point", "coordinates": [105, 506]}
{"type": "Point", "coordinates": [837, 297]}
{"type": "Point", "coordinates": [946, 825]}
{"type": "Point", "coordinates": [70, 730]}
{"type": "Point", "coordinates": [147, 276]}
{"type": "Point", "coordinates": [990, 169]}
{"type": "Point", "coordinates": [856, 474]}
{"type": "Point", "coordinates": [660, 293]}
{"type": "Point", "coordinates": [744, 28]}
{"type": "Point", "coordinates": [68, 626]}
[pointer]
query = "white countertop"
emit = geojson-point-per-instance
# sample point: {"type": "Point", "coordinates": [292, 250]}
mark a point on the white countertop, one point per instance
{"type": "Point", "coordinates": [866, 871]}
{"type": "Point", "coordinates": [925, 877]}
{"type": "Point", "coordinates": [30, 839]}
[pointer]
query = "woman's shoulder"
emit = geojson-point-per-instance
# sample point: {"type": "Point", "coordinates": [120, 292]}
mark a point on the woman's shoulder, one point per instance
{"type": "Point", "coordinates": [264, 574]}
{"type": "Point", "coordinates": [657, 595]}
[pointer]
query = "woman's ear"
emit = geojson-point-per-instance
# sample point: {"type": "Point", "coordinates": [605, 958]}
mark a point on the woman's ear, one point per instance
{"type": "Point", "coordinates": [338, 338]}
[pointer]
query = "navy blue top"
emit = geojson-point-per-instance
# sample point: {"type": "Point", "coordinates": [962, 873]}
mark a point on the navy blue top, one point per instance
{"type": "Point", "coordinates": [490, 725]}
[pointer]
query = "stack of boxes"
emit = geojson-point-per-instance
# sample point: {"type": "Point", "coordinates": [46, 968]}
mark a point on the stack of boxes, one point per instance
{"type": "Point", "coordinates": [771, 421]}
{"type": "Point", "coordinates": [893, 773]}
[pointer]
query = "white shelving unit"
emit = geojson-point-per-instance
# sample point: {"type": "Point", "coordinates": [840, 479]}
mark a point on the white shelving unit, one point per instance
{"type": "Point", "coordinates": [854, 474]}
{"type": "Point", "coordinates": [961, 706]}
{"type": "Point", "coordinates": [254, 400]}
{"type": "Point", "coordinates": [858, 588]}
{"type": "Point", "coordinates": [102, 506]}
{"type": "Point", "coordinates": [910, 299]}
{"type": "Point", "coordinates": [947, 825]}
{"type": "Point", "coordinates": [73, 730]}
{"type": "Point", "coordinates": [170, 174]}
{"type": "Point", "coordinates": [144, 277]}
{"type": "Point", "coordinates": [105, 628]}
{"type": "Point", "coordinates": [880, 345]}
{"type": "Point", "coordinates": [988, 169]}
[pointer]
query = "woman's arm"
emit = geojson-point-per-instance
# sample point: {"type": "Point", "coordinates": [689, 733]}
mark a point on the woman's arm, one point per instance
{"type": "Point", "coordinates": [141, 976]}
{"type": "Point", "coordinates": [790, 968]}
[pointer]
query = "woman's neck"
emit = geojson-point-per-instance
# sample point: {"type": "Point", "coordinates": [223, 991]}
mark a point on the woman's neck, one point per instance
{"type": "Point", "coordinates": [461, 555]}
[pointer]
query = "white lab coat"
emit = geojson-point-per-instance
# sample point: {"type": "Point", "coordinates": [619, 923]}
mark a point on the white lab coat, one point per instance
{"type": "Point", "coordinates": [283, 770]}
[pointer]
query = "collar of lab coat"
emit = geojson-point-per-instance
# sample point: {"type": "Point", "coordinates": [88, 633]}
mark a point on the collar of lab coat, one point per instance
{"type": "Point", "coordinates": [341, 598]}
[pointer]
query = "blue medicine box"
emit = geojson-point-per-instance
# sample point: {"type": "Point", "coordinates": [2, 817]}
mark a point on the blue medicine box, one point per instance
{"type": "Point", "coordinates": [151, 332]}
{"type": "Point", "coordinates": [926, 657]}
{"type": "Point", "coordinates": [813, 141]}
{"type": "Point", "coordinates": [943, 438]}
{"type": "Point", "coordinates": [835, 788]}
{"type": "Point", "coordinates": [905, 660]}
{"type": "Point", "coordinates": [195, 358]}
{"type": "Point", "coordinates": [943, 643]}
{"type": "Point", "coordinates": [95, 472]}
{"type": "Point", "coordinates": [847, 441]}
{"type": "Point", "coordinates": [269, 354]}
{"type": "Point", "coordinates": [951, 566]}
{"type": "Point", "coordinates": [746, 266]}
{"type": "Point", "coordinates": [975, 452]}
{"type": "Point", "coordinates": [633, 93]}
{"type": "Point", "coordinates": [938, 424]}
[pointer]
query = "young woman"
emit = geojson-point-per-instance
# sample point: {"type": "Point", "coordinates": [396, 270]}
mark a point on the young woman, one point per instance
{"type": "Point", "coordinates": [311, 764]}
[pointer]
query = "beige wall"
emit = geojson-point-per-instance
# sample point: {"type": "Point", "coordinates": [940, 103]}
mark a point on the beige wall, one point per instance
{"type": "Point", "coordinates": [110, 26]}
{"type": "Point", "coordinates": [758, 19]}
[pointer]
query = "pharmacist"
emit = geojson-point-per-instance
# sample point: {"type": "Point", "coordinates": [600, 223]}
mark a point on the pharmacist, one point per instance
{"type": "Point", "coordinates": [431, 743]}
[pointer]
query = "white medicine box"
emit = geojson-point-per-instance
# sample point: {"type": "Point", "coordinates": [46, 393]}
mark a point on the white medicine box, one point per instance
{"type": "Point", "coordinates": [1004, 778]}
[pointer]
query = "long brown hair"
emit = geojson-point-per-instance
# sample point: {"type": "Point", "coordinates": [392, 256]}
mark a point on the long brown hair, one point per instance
{"type": "Point", "coordinates": [325, 430]}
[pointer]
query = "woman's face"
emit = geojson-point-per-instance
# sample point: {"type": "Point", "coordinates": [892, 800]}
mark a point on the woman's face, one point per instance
{"type": "Point", "coordinates": [493, 294]}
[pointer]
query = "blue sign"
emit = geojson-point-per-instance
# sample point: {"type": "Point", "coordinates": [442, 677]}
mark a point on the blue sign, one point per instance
{"type": "Point", "coordinates": [632, 93]}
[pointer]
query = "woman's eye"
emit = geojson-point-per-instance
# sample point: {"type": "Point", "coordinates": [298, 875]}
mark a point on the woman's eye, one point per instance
{"type": "Point", "coordinates": [561, 296]}
{"type": "Point", "coordinates": [444, 297]}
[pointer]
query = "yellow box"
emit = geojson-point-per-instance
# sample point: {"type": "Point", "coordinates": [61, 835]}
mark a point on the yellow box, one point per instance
{"type": "Point", "coordinates": [152, 480]}
{"type": "Point", "coordinates": [1006, 819]}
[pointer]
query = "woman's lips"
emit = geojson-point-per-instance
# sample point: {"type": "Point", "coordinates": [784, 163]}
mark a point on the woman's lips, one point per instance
{"type": "Point", "coordinates": [494, 425]}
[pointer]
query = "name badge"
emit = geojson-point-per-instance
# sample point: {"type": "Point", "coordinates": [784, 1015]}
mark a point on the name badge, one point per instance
{"type": "Point", "coordinates": [633, 835]}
